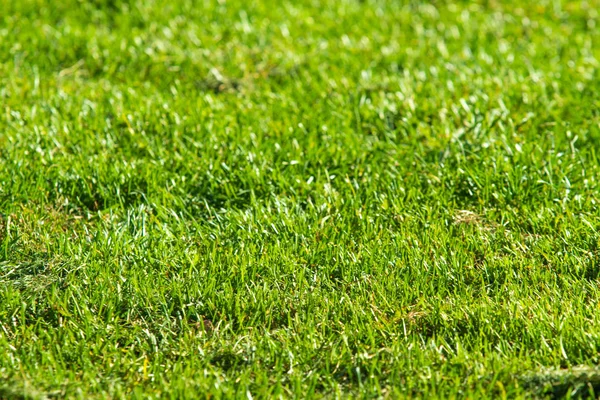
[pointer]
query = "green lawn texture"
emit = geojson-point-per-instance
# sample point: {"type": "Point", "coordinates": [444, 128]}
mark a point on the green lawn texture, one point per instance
{"type": "Point", "coordinates": [299, 199]}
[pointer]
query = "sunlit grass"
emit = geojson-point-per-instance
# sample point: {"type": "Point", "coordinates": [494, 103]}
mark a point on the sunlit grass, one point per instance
{"type": "Point", "coordinates": [299, 199]}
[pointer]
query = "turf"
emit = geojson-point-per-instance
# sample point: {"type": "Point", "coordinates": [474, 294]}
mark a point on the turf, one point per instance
{"type": "Point", "coordinates": [299, 199]}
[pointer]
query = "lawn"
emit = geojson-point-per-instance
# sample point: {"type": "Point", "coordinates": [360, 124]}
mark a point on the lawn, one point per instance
{"type": "Point", "coordinates": [299, 199]}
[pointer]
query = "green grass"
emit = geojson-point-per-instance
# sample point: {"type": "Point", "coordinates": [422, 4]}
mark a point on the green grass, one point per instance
{"type": "Point", "coordinates": [299, 199]}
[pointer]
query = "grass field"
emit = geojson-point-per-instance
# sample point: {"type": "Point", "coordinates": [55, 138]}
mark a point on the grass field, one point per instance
{"type": "Point", "coordinates": [301, 199]}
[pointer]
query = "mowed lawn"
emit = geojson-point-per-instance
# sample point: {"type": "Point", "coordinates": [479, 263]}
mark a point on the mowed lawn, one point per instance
{"type": "Point", "coordinates": [312, 198]}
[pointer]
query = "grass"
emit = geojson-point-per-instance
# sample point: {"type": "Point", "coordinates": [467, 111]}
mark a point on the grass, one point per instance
{"type": "Point", "coordinates": [299, 199]}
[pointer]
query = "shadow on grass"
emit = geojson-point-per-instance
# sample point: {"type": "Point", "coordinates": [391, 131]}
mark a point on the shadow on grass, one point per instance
{"type": "Point", "coordinates": [577, 383]}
